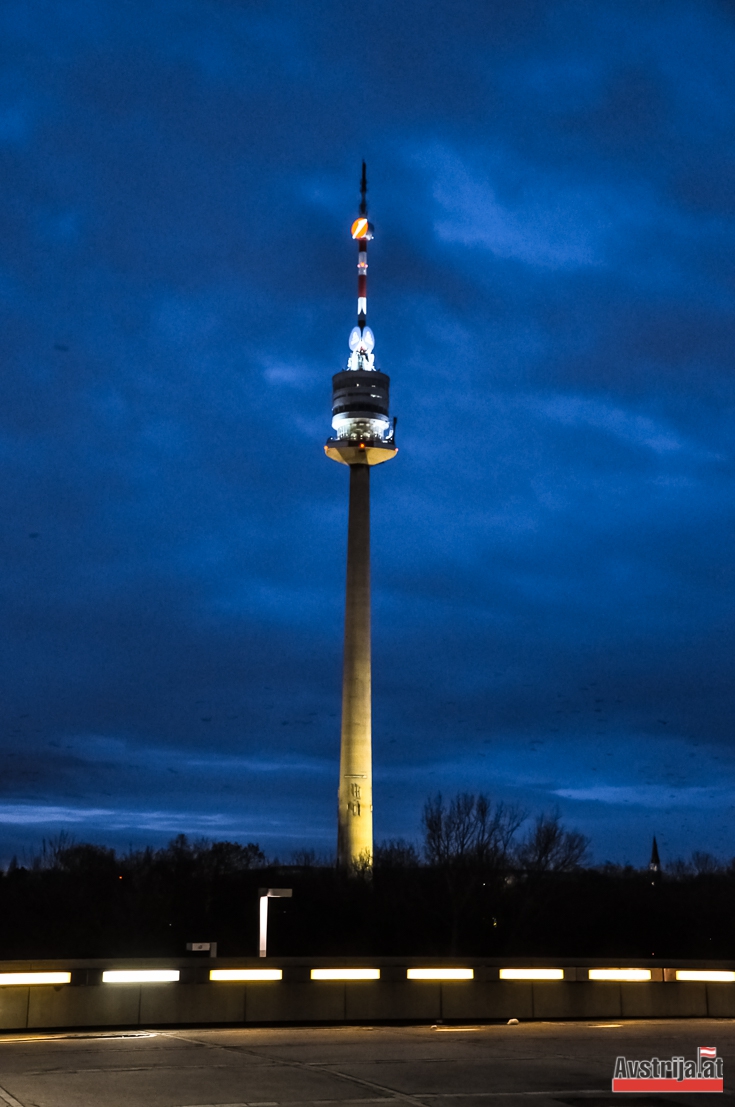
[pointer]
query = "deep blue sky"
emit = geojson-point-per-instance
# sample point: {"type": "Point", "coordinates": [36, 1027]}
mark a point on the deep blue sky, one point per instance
{"type": "Point", "coordinates": [552, 289]}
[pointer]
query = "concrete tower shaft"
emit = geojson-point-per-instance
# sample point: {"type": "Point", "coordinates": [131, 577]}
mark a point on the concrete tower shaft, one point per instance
{"type": "Point", "coordinates": [355, 796]}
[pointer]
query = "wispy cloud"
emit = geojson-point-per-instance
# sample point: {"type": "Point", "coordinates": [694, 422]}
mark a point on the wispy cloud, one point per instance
{"type": "Point", "coordinates": [610, 417]}
{"type": "Point", "coordinates": [554, 226]}
{"type": "Point", "coordinates": [110, 819]}
{"type": "Point", "coordinates": [651, 795]}
{"type": "Point", "coordinates": [116, 819]}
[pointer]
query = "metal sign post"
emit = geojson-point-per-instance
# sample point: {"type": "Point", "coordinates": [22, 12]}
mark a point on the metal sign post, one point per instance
{"type": "Point", "coordinates": [202, 947]}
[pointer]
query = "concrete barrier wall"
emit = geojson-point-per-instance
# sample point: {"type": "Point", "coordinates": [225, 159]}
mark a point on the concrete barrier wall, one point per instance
{"type": "Point", "coordinates": [194, 999]}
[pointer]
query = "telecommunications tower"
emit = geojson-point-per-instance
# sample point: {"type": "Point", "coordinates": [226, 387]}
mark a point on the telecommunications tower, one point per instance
{"type": "Point", "coordinates": [363, 437]}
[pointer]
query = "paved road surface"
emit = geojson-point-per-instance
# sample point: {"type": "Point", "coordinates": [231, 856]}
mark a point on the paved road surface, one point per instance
{"type": "Point", "coordinates": [530, 1065]}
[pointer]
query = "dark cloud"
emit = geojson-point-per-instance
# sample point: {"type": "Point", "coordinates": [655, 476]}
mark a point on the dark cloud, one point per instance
{"type": "Point", "coordinates": [552, 294]}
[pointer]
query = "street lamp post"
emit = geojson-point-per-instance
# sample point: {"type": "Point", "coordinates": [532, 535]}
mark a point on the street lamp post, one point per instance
{"type": "Point", "coordinates": [266, 894]}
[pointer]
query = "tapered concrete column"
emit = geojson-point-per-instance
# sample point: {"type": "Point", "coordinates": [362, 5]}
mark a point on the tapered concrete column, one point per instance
{"type": "Point", "coordinates": [355, 820]}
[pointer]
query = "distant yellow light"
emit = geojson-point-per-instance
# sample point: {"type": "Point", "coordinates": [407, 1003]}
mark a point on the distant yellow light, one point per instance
{"type": "Point", "coordinates": [246, 974]}
{"type": "Point", "coordinates": [532, 974]}
{"type": "Point", "coordinates": [440, 974]}
{"type": "Point", "coordinates": [345, 974]}
{"type": "Point", "coordinates": [619, 974]}
{"type": "Point", "coordinates": [712, 976]}
{"type": "Point", "coordinates": [139, 976]}
{"type": "Point", "coordinates": [7, 978]}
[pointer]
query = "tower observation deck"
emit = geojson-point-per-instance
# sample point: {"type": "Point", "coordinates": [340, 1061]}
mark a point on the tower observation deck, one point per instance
{"type": "Point", "coordinates": [363, 437]}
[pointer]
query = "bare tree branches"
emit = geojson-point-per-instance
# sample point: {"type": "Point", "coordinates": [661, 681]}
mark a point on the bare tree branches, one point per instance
{"type": "Point", "coordinates": [548, 847]}
{"type": "Point", "coordinates": [473, 832]}
{"type": "Point", "coordinates": [470, 831]}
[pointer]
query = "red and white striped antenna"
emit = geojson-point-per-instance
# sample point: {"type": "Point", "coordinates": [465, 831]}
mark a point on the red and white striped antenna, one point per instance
{"type": "Point", "coordinates": [361, 339]}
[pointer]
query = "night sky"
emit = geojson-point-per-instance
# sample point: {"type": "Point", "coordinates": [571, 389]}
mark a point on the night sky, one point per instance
{"type": "Point", "coordinates": [552, 292]}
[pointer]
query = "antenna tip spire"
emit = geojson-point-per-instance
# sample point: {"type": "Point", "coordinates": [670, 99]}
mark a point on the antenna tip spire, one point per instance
{"type": "Point", "coordinates": [363, 190]}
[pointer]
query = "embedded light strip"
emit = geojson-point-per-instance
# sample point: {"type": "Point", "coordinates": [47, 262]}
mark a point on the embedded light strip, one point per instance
{"type": "Point", "coordinates": [8, 978]}
{"type": "Point", "coordinates": [619, 974]}
{"type": "Point", "coordinates": [140, 976]}
{"type": "Point", "coordinates": [712, 976]}
{"type": "Point", "coordinates": [246, 974]}
{"type": "Point", "coordinates": [440, 974]}
{"type": "Point", "coordinates": [532, 974]}
{"type": "Point", "coordinates": [345, 974]}
{"type": "Point", "coordinates": [161, 976]}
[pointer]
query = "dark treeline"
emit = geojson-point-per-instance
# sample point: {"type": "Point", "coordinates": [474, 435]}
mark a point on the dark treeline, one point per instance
{"type": "Point", "coordinates": [479, 886]}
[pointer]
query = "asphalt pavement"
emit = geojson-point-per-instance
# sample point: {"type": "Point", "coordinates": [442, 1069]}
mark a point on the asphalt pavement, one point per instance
{"type": "Point", "coordinates": [536, 1064]}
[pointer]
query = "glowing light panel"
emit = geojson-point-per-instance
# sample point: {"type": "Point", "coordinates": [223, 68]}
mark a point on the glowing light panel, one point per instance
{"type": "Point", "coordinates": [246, 974]}
{"type": "Point", "coordinates": [345, 974]}
{"type": "Point", "coordinates": [619, 974]}
{"type": "Point", "coordinates": [440, 974]}
{"type": "Point", "coordinates": [713, 976]}
{"type": "Point", "coordinates": [139, 976]}
{"type": "Point", "coordinates": [7, 978]}
{"type": "Point", "coordinates": [532, 974]}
